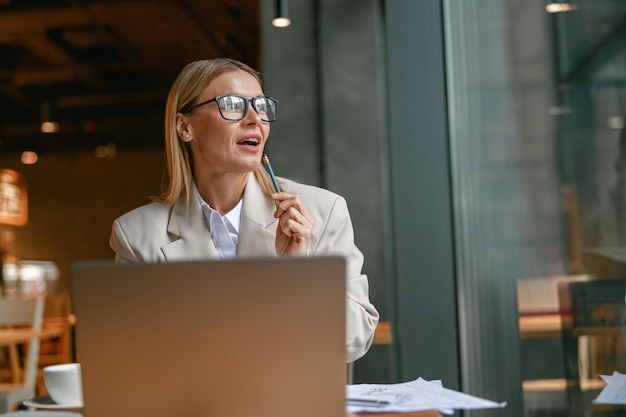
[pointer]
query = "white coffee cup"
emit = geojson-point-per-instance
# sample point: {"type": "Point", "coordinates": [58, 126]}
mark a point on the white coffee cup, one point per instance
{"type": "Point", "coordinates": [64, 384]}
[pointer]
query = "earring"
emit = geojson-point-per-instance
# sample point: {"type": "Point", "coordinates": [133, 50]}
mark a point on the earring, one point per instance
{"type": "Point", "coordinates": [186, 135]}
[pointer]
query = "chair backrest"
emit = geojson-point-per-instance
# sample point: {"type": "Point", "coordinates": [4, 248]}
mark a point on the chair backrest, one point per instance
{"type": "Point", "coordinates": [593, 329]}
{"type": "Point", "coordinates": [597, 303]}
{"type": "Point", "coordinates": [25, 312]}
{"type": "Point", "coordinates": [21, 311]}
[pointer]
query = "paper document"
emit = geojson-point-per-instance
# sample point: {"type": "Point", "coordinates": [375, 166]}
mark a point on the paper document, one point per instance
{"type": "Point", "coordinates": [615, 390]}
{"type": "Point", "coordinates": [418, 395]}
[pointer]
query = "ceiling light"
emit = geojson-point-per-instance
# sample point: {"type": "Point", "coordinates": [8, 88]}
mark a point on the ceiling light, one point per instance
{"type": "Point", "coordinates": [106, 151]}
{"type": "Point", "coordinates": [616, 122]}
{"type": "Point", "coordinates": [281, 16]}
{"type": "Point", "coordinates": [48, 124]}
{"type": "Point", "coordinates": [49, 127]}
{"type": "Point", "coordinates": [29, 157]}
{"type": "Point", "coordinates": [560, 7]}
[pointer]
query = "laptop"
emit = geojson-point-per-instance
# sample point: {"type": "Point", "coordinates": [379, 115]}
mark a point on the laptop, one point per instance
{"type": "Point", "coordinates": [246, 337]}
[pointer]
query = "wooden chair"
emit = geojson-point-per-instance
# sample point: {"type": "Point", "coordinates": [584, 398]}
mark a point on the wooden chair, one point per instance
{"type": "Point", "coordinates": [56, 341]}
{"type": "Point", "coordinates": [594, 336]}
{"type": "Point", "coordinates": [20, 324]}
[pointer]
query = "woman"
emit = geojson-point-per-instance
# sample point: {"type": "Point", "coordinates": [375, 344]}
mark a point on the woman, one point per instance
{"type": "Point", "coordinates": [220, 201]}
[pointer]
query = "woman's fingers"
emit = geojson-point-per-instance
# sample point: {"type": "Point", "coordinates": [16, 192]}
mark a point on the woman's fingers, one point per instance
{"type": "Point", "coordinates": [295, 225]}
{"type": "Point", "coordinates": [285, 201]}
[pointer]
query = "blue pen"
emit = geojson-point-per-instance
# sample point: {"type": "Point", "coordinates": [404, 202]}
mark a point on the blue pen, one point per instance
{"type": "Point", "coordinates": [266, 162]}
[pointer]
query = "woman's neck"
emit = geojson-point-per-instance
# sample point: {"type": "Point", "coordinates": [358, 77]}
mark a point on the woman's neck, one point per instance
{"type": "Point", "coordinates": [222, 192]}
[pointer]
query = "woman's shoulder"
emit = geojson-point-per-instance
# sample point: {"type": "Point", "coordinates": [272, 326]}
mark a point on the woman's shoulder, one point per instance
{"type": "Point", "coordinates": [147, 213]}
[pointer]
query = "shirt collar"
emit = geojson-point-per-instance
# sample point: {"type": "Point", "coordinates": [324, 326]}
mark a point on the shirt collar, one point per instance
{"type": "Point", "coordinates": [233, 216]}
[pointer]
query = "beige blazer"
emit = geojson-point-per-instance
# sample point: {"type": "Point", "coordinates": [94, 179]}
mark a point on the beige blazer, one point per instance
{"type": "Point", "coordinates": [159, 232]}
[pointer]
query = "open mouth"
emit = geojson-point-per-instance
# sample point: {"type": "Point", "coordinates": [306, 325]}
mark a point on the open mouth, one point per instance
{"type": "Point", "coordinates": [249, 142]}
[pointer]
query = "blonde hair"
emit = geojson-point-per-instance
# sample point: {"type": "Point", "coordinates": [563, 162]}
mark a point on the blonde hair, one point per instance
{"type": "Point", "coordinates": [185, 90]}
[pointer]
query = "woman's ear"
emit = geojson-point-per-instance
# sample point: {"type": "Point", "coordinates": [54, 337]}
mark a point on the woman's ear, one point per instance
{"type": "Point", "coordinates": [182, 127]}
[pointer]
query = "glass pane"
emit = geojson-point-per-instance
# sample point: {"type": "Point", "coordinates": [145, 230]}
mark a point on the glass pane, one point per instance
{"type": "Point", "coordinates": [537, 108]}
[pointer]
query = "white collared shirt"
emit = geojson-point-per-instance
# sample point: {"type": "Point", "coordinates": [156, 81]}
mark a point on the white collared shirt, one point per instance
{"type": "Point", "coordinates": [224, 229]}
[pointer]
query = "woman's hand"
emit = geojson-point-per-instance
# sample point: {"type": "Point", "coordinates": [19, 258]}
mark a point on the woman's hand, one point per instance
{"type": "Point", "coordinates": [295, 225]}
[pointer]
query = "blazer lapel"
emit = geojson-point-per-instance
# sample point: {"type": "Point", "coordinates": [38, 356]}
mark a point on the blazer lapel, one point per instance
{"type": "Point", "coordinates": [189, 225]}
{"type": "Point", "coordinates": [257, 230]}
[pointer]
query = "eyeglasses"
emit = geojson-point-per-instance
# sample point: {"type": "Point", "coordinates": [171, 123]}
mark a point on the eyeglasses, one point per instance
{"type": "Point", "coordinates": [233, 107]}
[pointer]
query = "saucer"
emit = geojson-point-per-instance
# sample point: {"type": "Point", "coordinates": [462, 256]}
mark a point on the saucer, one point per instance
{"type": "Point", "coordinates": [46, 403]}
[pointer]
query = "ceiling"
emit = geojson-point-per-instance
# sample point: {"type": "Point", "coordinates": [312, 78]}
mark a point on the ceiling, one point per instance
{"type": "Point", "coordinates": [102, 68]}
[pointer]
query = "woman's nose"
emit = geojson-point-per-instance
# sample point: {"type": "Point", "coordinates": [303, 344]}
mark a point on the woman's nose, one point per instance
{"type": "Point", "coordinates": [251, 114]}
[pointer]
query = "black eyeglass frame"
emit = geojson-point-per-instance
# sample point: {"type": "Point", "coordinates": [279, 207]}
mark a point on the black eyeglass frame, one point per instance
{"type": "Point", "coordinates": [246, 100]}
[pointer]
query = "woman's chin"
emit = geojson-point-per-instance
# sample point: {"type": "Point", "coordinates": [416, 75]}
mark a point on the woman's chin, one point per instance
{"type": "Point", "coordinates": [251, 160]}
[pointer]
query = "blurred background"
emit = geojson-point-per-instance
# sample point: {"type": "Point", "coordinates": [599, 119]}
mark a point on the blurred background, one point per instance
{"type": "Point", "coordinates": [479, 144]}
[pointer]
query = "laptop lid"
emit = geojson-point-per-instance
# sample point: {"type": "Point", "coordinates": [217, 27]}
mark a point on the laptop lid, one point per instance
{"type": "Point", "coordinates": [247, 337]}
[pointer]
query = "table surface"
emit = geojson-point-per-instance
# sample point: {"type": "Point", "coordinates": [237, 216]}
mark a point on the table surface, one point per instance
{"type": "Point", "coordinates": [78, 412]}
{"type": "Point", "coordinates": [414, 414]}
{"type": "Point", "coordinates": [18, 335]}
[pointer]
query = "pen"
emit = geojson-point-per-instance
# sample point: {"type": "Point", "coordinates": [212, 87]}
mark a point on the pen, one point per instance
{"type": "Point", "coordinates": [365, 402]}
{"type": "Point", "coordinates": [268, 166]}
